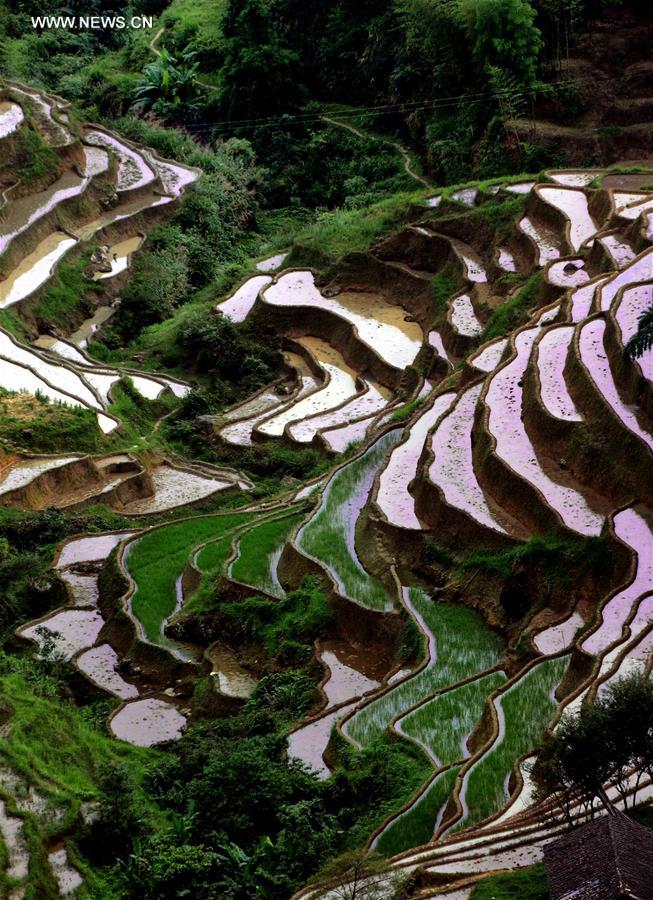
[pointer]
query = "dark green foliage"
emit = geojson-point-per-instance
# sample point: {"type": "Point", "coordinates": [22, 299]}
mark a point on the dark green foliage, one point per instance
{"type": "Point", "coordinates": [642, 340]}
{"type": "Point", "coordinates": [514, 311]}
{"type": "Point", "coordinates": [260, 74]}
{"type": "Point", "coordinates": [504, 35]}
{"type": "Point", "coordinates": [299, 618]}
{"type": "Point", "coordinates": [558, 557]}
{"type": "Point", "coordinates": [214, 344]}
{"type": "Point", "coordinates": [170, 87]}
{"type": "Point", "coordinates": [605, 743]}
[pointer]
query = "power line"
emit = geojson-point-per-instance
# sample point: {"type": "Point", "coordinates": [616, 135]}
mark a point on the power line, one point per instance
{"type": "Point", "coordinates": [287, 119]}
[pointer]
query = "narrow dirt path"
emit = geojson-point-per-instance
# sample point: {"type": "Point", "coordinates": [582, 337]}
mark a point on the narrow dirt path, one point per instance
{"type": "Point", "coordinates": [397, 146]}
{"type": "Point", "coordinates": [152, 45]}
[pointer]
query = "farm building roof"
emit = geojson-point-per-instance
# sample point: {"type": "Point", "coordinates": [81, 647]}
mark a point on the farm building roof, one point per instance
{"type": "Point", "coordinates": [610, 858]}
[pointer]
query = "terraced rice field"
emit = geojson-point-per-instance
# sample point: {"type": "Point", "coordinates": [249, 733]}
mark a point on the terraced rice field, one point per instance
{"type": "Point", "coordinates": [393, 497]}
{"type": "Point", "coordinates": [524, 710]}
{"type": "Point", "coordinates": [156, 562]}
{"type": "Point", "coordinates": [459, 646]}
{"type": "Point", "coordinates": [329, 535]}
{"type": "Point", "coordinates": [258, 552]}
{"type": "Point", "coordinates": [418, 823]}
{"type": "Point", "coordinates": [514, 447]}
{"type": "Point", "coordinates": [441, 726]}
{"type": "Point", "coordinates": [379, 325]}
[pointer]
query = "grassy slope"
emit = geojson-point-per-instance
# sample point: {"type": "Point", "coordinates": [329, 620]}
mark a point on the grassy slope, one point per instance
{"type": "Point", "coordinates": [522, 884]}
{"type": "Point", "coordinates": [53, 747]}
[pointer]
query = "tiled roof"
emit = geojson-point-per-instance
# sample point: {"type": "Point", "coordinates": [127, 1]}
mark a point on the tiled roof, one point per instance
{"type": "Point", "coordinates": [610, 858]}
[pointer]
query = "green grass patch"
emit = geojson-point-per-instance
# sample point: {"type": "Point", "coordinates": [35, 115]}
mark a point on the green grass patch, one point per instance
{"type": "Point", "coordinates": [64, 292]}
{"type": "Point", "coordinates": [417, 824]}
{"type": "Point", "coordinates": [528, 707]}
{"type": "Point", "coordinates": [464, 646]}
{"type": "Point", "coordinates": [443, 723]}
{"type": "Point", "coordinates": [561, 558]}
{"type": "Point", "coordinates": [443, 286]}
{"type": "Point", "coordinates": [328, 536]}
{"type": "Point", "coordinates": [339, 232]}
{"type": "Point", "coordinates": [522, 884]}
{"type": "Point", "coordinates": [514, 311]}
{"type": "Point", "coordinates": [35, 423]}
{"type": "Point", "coordinates": [259, 550]}
{"type": "Point", "coordinates": [157, 560]}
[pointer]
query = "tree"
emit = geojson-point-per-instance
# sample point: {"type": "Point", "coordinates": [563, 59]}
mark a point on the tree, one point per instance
{"type": "Point", "coordinates": [611, 742]}
{"type": "Point", "coordinates": [260, 74]}
{"type": "Point", "coordinates": [642, 340]}
{"type": "Point", "coordinates": [170, 85]}
{"type": "Point", "coordinates": [504, 35]}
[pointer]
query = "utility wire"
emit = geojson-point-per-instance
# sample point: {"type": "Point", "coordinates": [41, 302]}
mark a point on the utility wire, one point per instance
{"type": "Point", "coordinates": [287, 119]}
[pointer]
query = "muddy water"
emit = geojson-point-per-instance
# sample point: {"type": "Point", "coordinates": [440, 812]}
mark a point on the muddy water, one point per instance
{"type": "Point", "coordinates": [175, 487]}
{"type": "Point", "coordinates": [380, 325]}
{"type": "Point", "coordinates": [100, 665]}
{"type": "Point", "coordinates": [119, 254]}
{"type": "Point", "coordinates": [272, 263]}
{"type": "Point", "coordinates": [488, 359]}
{"type": "Point", "coordinates": [463, 316]}
{"type": "Point", "coordinates": [229, 676]}
{"type": "Point", "coordinates": [344, 681]}
{"type": "Point", "coordinates": [338, 439]}
{"type": "Point", "coordinates": [340, 387]}
{"type": "Point", "coordinates": [27, 210]}
{"type": "Point", "coordinates": [147, 722]}
{"type": "Point", "coordinates": [35, 269]}
{"type": "Point", "coordinates": [595, 359]}
{"type": "Point", "coordinates": [71, 630]}
{"type": "Point", "coordinates": [133, 171]}
{"type": "Point", "coordinates": [83, 589]}
{"type": "Point", "coordinates": [93, 548]}
{"type": "Point", "coordinates": [574, 205]}
{"type": "Point", "coordinates": [67, 876]}
{"type": "Point", "coordinates": [11, 116]}
{"type": "Point", "coordinates": [96, 161]}
{"type": "Point", "coordinates": [370, 402]}
{"type": "Point", "coordinates": [239, 305]}
{"type": "Point", "coordinates": [568, 273]}
{"type": "Point", "coordinates": [546, 240]}
{"type": "Point", "coordinates": [26, 470]}
{"type": "Point", "coordinates": [620, 250]}
{"type": "Point", "coordinates": [552, 353]}
{"type": "Point", "coordinates": [393, 498]}
{"type": "Point", "coordinates": [507, 260]}
{"type": "Point", "coordinates": [452, 469]}
{"type": "Point", "coordinates": [558, 637]}
{"type": "Point", "coordinates": [308, 743]}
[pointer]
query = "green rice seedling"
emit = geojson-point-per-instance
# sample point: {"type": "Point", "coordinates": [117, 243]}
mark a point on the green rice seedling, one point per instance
{"type": "Point", "coordinates": [328, 536]}
{"type": "Point", "coordinates": [156, 562]}
{"type": "Point", "coordinates": [442, 725]}
{"type": "Point", "coordinates": [524, 710]}
{"type": "Point", "coordinates": [259, 550]}
{"type": "Point", "coordinates": [462, 645]}
{"type": "Point", "coordinates": [417, 824]}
